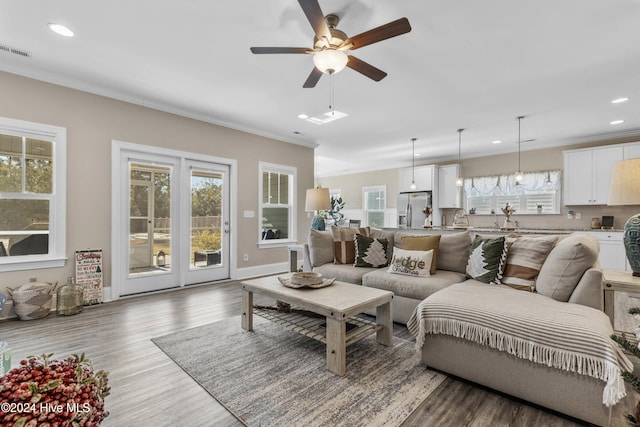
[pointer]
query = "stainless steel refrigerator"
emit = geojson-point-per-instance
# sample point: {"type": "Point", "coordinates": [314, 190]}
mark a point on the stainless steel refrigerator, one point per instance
{"type": "Point", "coordinates": [411, 207]}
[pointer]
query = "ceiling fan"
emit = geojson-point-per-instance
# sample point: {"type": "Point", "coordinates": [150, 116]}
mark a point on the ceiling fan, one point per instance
{"type": "Point", "coordinates": [330, 45]}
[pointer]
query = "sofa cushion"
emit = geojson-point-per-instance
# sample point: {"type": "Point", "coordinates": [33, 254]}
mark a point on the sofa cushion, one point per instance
{"type": "Point", "coordinates": [485, 258]}
{"type": "Point", "coordinates": [320, 247]}
{"type": "Point", "coordinates": [565, 265]}
{"type": "Point", "coordinates": [412, 263]}
{"type": "Point", "coordinates": [524, 260]}
{"type": "Point", "coordinates": [370, 252]}
{"type": "Point", "coordinates": [344, 272]}
{"type": "Point", "coordinates": [424, 243]}
{"type": "Point", "coordinates": [453, 252]}
{"type": "Point", "coordinates": [409, 286]}
{"type": "Point", "coordinates": [344, 243]}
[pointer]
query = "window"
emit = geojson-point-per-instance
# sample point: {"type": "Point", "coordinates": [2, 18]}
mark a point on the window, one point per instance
{"type": "Point", "coordinates": [277, 204]}
{"type": "Point", "coordinates": [538, 193]}
{"type": "Point", "coordinates": [375, 203]}
{"type": "Point", "coordinates": [32, 195]}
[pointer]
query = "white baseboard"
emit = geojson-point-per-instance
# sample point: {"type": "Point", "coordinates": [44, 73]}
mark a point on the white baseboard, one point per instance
{"type": "Point", "coordinates": [240, 274]}
{"type": "Point", "coordinates": [261, 270]}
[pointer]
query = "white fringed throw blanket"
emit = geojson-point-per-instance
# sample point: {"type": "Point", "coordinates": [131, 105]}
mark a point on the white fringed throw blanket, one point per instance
{"type": "Point", "coordinates": [530, 326]}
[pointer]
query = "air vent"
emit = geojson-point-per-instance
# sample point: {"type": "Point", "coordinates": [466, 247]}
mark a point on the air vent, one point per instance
{"type": "Point", "coordinates": [14, 50]}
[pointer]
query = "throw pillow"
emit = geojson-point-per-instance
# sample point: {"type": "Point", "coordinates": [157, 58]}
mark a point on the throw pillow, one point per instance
{"type": "Point", "coordinates": [524, 260]}
{"type": "Point", "coordinates": [411, 263]}
{"type": "Point", "coordinates": [453, 252]}
{"type": "Point", "coordinates": [370, 251]}
{"type": "Point", "coordinates": [485, 257]}
{"type": "Point", "coordinates": [423, 243]}
{"type": "Point", "coordinates": [344, 243]}
{"type": "Point", "coordinates": [565, 265]}
{"type": "Point", "coordinates": [320, 247]}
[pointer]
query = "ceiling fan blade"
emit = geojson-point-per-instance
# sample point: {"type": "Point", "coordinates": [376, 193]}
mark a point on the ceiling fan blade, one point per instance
{"type": "Point", "coordinates": [313, 78]}
{"type": "Point", "coordinates": [383, 32]}
{"type": "Point", "coordinates": [316, 18]}
{"type": "Point", "coordinates": [365, 68]}
{"type": "Point", "coordinates": [259, 50]}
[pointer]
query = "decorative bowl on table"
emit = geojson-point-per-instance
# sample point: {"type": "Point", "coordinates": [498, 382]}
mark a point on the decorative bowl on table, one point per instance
{"type": "Point", "coordinates": [305, 280]}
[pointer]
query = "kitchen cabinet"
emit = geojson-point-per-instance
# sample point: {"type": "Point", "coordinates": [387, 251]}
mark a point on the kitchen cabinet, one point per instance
{"type": "Point", "coordinates": [612, 253]}
{"type": "Point", "coordinates": [449, 194]}
{"type": "Point", "coordinates": [424, 177]}
{"type": "Point", "coordinates": [587, 174]}
{"type": "Point", "coordinates": [632, 151]}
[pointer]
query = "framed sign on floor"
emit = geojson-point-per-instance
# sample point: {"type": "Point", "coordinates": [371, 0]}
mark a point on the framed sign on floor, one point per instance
{"type": "Point", "coordinates": [89, 275]}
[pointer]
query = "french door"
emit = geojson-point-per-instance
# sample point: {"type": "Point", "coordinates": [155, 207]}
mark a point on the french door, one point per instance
{"type": "Point", "coordinates": [171, 223]}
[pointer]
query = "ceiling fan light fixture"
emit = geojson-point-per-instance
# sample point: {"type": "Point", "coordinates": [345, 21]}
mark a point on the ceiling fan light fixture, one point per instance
{"type": "Point", "coordinates": [330, 60]}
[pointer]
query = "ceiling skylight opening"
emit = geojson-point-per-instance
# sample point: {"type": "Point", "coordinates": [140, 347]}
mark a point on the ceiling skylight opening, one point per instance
{"type": "Point", "coordinates": [60, 29]}
{"type": "Point", "coordinates": [620, 100]}
{"type": "Point", "coordinates": [616, 122]}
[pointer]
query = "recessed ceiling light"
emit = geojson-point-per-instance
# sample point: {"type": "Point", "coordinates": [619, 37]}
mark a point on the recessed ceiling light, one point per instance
{"type": "Point", "coordinates": [416, 155]}
{"type": "Point", "coordinates": [303, 116]}
{"type": "Point", "coordinates": [620, 100]}
{"type": "Point", "coordinates": [60, 29]}
{"type": "Point", "coordinates": [497, 141]}
{"type": "Point", "coordinates": [616, 122]}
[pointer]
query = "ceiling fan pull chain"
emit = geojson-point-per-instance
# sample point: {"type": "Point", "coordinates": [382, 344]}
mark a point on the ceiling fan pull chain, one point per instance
{"type": "Point", "coordinates": [331, 93]}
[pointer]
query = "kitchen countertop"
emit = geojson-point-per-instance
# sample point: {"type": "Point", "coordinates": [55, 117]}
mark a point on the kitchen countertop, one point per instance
{"type": "Point", "coordinates": [501, 231]}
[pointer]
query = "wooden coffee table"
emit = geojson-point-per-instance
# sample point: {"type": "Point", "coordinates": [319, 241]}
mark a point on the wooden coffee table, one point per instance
{"type": "Point", "coordinates": [337, 303]}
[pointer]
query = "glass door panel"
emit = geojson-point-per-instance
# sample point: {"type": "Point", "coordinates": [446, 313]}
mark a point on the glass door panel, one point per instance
{"type": "Point", "coordinates": [149, 219]}
{"type": "Point", "coordinates": [209, 223]}
{"type": "Point", "coordinates": [206, 208]}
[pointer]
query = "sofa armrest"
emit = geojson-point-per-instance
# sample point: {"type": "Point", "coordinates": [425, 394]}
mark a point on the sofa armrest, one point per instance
{"type": "Point", "coordinates": [589, 290]}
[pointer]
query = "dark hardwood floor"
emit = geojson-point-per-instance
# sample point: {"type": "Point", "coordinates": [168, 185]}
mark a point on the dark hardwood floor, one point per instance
{"type": "Point", "coordinates": [148, 389]}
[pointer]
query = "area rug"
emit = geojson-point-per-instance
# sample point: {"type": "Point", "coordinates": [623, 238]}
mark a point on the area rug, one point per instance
{"type": "Point", "coordinates": [274, 377]}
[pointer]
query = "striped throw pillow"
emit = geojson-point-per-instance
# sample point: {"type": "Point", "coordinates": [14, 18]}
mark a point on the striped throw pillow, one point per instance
{"type": "Point", "coordinates": [344, 243]}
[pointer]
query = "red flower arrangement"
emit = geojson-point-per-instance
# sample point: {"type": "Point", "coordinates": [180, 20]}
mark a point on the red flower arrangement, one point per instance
{"type": "Point", "coordinates": [46, 392]}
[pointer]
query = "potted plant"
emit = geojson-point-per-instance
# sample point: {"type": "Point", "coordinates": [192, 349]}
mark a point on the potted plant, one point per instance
{"type": "Point", "coordinates": [334, 214]}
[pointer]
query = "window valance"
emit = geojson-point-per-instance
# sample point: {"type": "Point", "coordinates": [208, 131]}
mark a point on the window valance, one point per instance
{"type": "Point", "coordinates": [532, 182]}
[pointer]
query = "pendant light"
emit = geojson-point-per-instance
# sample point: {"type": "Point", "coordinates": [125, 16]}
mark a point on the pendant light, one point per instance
{"type": "Point", "coordinates": [519, 172]}
{"type": "Point", "coordinates": [459, 180]}
{"type": "Point", "coordinates": [413, 163]}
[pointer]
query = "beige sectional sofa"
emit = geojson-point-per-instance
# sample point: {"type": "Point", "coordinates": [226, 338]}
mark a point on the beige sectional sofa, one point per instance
{"type": "Point", "coordinates": [550, 347]}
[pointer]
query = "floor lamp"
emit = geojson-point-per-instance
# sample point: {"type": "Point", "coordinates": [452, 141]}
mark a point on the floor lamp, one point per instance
{"type": "Point", "coordinates": [625, 190]}
{"type": "Point", "coordinates": [317, 200]}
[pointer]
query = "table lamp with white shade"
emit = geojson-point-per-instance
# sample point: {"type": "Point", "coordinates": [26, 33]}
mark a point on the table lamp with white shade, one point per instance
{"type": "Point", "coordinates": [625, 190]}
{"type": "Point", "coordinates": [317, 200]}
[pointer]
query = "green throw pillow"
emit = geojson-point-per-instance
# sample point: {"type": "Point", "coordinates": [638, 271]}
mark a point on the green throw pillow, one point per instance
{"type": "Point", "coordinates": [484, 259]}
{"type": "Point", "coordinates": [370, 251]}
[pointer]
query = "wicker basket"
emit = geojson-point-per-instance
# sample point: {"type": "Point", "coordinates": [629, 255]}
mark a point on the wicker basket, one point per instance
{"type": "Point", "coordinates": [32, 300]}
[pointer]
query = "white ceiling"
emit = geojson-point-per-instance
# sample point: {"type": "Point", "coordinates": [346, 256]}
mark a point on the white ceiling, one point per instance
{"type": "Point", "coordinates": [465, 64]}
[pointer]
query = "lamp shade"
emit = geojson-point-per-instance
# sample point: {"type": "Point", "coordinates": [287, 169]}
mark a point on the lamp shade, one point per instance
{"type": "Point", "coordinates": [317, 200]}
{"type": "Point", "coordinates": [330, 60]}
{"type": "Point", "coordinates": [625, 183]}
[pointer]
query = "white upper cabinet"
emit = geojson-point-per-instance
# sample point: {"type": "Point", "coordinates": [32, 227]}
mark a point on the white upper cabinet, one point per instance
{"type": "Point", "coordinates": [632, 151]}
{"type": "Point", "coordinates": [587, 174]}
{"type": "Point", "coordinates": [449, 195]}
{"type": "Point", "coordinates": [424, 178]}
